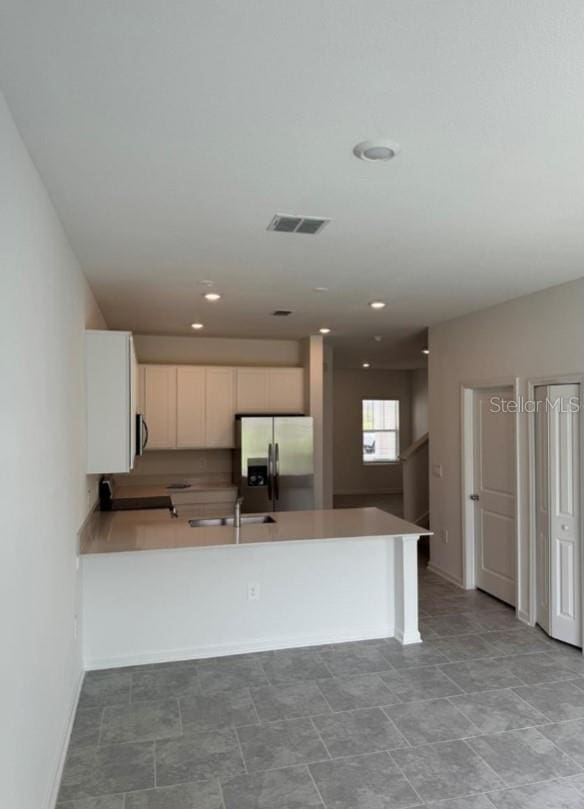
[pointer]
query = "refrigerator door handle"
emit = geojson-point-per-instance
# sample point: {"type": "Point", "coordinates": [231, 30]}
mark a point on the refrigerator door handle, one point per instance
{"type": "Point", "coordinates": [277, 471]}
{"type": "Point", "coordinates": [270, 472]}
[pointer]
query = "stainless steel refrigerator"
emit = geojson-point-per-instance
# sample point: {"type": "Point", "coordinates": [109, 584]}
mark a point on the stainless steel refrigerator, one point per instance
{"type": "Point", "coordinates": [274, 463]}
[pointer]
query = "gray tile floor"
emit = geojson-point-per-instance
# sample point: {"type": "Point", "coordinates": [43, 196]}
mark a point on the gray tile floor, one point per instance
{"type": "Point", "coordinates": [485, 713]}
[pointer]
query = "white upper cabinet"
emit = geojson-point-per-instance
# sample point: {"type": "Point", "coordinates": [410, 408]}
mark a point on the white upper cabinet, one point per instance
{"type": "Point", "coordinates": [159, 405]}
{"type": "Point", "coordinates": [270, 390]}
{"type": "Point", "coordinates": [252, 390]}
{"type": "Point", "coordinates": [190, 407]}
{"type": "Point", "coordinates": [286, 390]}
{"type": "Point", "coordinates": [220, 407]}
{"type": "Point", "coordinates": [194, 406]}
{"type": "Point", "coordinates": [110, 378]}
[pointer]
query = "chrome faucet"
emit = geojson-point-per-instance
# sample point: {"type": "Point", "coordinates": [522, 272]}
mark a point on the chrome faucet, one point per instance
{"type": "Point", "coordinates": [237, 513]}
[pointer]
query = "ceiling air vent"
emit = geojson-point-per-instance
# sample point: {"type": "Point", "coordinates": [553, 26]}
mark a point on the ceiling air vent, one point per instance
{"type": "Point", "coordinates": [286, 223]}
{"type": "Point", "coordinates": [282, 312]}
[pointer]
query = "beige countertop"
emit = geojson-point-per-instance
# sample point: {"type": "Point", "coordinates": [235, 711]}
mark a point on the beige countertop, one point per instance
{"type": "Point", "coordinates": [144, 530]}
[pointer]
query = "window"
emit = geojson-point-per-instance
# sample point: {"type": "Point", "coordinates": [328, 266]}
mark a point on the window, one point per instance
{"type": "Point", "coordinates": [380, 430]}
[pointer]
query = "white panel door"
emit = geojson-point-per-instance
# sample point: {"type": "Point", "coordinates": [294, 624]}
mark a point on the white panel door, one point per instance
{"type": "Point", "coordinates": [190, 407]}
{"type": "Point", "coordinates": [542, 503]}
{"type": "Point", "coordinates": [494, 486]}
{"type": "Point", "coordinates": [286, 390]}
{"type": "Point", "coordinates": [220, 407]}
{"type": "Point", "coordinates": [252, 390]}
{"type": "Point", "coordinates": [160, 405]}
{"type": "Point", "coordinates": [564, 473]}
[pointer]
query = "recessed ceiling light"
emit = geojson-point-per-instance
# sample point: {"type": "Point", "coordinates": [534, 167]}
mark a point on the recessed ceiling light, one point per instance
{"type": "Point", "coordinates": [378, 338]}
{"type": "Point", "coordinates": [425, 351]}
{"type": "Point", "coordinates": [324, 330]}
{"type": "Point", "coordinates": [378, 304]}
{"type": "Point", "coordinates": [376, 151]}
{"type": "Point", "coordinates": [366, 365]}
{"type": "Point", "coordinates": [212, 296]}
{"type": "Point", "coordinates": [320, 289]}
{"type": "Point", "coordinates": [197, 326]}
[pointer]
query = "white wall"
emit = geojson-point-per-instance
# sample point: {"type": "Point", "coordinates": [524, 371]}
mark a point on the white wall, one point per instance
{"type": "Point", "coordinates": [300, 604]}
{"type": "Point", "coordinates": [533, 336]}
{"type": "Point", "coordinates": [45, 305]}
{"type": "Point", "coordinates": [419, 379]}
{"type": "Point", "coordinates": [216, 350]}
{"type": "Point", "coordinates": [350, 387]}
{"type": "Point", "coordinates": [208, 464]}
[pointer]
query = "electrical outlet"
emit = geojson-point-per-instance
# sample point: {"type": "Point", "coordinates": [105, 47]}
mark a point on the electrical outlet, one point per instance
{"type": "Point", "coordinates": [445, 536]}
{"type": "Point", "coordinates": [253, 591]}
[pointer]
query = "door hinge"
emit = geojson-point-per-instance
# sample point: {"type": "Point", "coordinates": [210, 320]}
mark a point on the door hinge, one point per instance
{"type": "Point", "coordinates": [474, 497]}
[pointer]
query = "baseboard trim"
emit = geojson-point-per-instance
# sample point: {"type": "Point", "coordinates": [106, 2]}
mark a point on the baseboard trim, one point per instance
{"type": "Point", "coordinates": [362, 492]}
{"type": "Point", "coordinates": [54, 791]}
{"type": "Point", "coordinates": [443, 574]}
{"type": "Point", "coordinates": [407, 638]}
{"type": "Point", "coordinates": [524, 617]}
{"type": "Point", "coordinates": [245, 647]}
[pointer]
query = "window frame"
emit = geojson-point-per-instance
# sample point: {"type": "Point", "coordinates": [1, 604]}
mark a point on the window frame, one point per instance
{"type": "Point", "coordinates": [396, 431]}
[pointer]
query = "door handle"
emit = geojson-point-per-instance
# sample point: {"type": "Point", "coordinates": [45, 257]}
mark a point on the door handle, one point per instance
{"type": "Point", "coordinates": [277, 471]}
{"type": "Point", "coordinates": [269, 471]}
{"type": "Point", "coordinates": [474, 497]}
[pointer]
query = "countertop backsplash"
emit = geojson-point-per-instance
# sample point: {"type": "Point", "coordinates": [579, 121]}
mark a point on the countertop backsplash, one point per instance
{"type": "Point", "coordinates": [168, 466]}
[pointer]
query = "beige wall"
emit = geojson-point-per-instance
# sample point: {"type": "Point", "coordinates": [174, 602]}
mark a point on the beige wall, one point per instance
{"type": "Point", "coordinates": [217, 350]}
{"type": "Point", "coordinates": [209, 464]}
{"type": "Point", "coordinates": [419, 378]}
{"type": "Point", "coordinates": [45, 306]}
{"type": "Point", "coordinates": [350, 387]}
{"type": "Point", "coordinates": [530, 337]}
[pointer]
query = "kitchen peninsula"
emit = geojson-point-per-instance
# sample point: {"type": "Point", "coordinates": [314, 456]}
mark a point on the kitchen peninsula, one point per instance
{"type": "Point", "coordinates": [157, 589]}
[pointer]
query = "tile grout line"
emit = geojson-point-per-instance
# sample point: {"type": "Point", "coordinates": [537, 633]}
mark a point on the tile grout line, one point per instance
{"type": "Point", "coordinates": [317, 731]}
{"type": "Point", "coordinates": [238, 740]}
{"type": "Point", "coordinates": [221, 793]}
{"type": "Point", "coordinates": [318, 792]}
{"type": "Point", "coordinates": [405, 777]}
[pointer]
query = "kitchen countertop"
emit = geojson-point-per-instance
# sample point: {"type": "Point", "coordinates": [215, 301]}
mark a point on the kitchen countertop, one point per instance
{"type": "Point", "coordinates": [114, 532]}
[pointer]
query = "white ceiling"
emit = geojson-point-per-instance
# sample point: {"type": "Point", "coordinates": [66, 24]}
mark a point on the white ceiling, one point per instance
{"type": "Point", "coordinates": [168, 134]}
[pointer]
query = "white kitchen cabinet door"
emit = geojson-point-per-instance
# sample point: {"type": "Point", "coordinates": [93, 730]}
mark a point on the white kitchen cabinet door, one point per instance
{"type": "Point", "coordinates": [220, 407]}
{"type": "Point", "coordinates": [252, 390]}
{"type": "Point", "coordinates": [286, 390]}
{"type": "Point", "coordinates": [110, 380]}
{"type": "Point", "coordinates": [190, 407]}
{"type": "Point", "coordinates": [160, 406]}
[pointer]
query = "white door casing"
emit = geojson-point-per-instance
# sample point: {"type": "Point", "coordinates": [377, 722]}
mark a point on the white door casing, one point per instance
{"type": "Point", "coordinates": [494, 485]}
{"type": "Point", "coordinates": [542, 515]}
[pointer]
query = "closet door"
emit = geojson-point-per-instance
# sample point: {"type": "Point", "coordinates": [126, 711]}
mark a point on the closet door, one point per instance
{"type": "Point", "coordinates": [564, 465]}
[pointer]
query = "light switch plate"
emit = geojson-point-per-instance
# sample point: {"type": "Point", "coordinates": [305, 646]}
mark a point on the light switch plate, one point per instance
{"type": "Point", "coordinates": [437, 470]}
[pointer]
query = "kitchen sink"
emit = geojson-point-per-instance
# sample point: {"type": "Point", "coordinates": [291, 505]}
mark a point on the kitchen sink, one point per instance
{"type": "Point", "coordinates": [246, 519]}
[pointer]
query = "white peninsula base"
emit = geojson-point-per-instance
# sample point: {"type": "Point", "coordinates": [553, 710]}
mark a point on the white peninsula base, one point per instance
{"type": "Point", "coordinates": [195, 602]}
